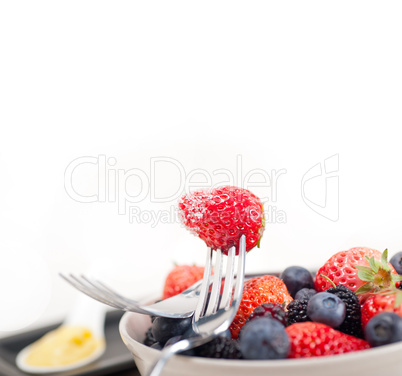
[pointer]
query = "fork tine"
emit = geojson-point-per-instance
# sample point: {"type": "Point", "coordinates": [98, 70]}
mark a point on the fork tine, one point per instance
{"type": "Point", "coordinates": [216, 284]}
{"type": "Point", "coordinates": [240, 271]}
{"type": "Point", "coordinates": [202, 299]}
{"type": "Point", "coordinates": [112, 294]}
{"type": "Point", "coordinates": [96, 294]}
{"type": "Point", "coordinates": [75, 282]}
{"type": "Point", "coordinates": [108, 293]}
{"type": "Point", "coordinates": [210, 325]}
{"type": "Point", "coordinates": [229, 277]}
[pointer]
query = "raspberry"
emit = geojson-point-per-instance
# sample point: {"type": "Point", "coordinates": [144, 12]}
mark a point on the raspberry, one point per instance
{"type": "Point", "coordinates": [273, 310]}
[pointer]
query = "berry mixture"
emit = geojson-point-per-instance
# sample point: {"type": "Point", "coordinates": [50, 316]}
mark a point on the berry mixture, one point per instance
{"type": "Point", "coordinates": [354, 302]}
{"type": "Point", "coordinates": [271, 325]}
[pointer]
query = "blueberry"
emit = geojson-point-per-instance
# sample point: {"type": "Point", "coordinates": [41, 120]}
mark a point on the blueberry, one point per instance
{"type": "Point", "coordinates": [396, 262]}
{"type": "Point", "coordinates": [164, 328]}
{"type": "Point", "coordinates": [383, 329]}
{"type": "Point", "coordinates": [264, 338]}
{"type": "Point", "coordinates": [296, 278]}
{"type": "Point", "coordinates": [327, 309]}
{"type": "Point", "coordinates": [305, 294]}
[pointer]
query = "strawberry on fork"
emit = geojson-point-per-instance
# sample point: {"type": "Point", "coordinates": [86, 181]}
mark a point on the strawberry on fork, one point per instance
{"type": "Point", "coordinates": [222, 215]}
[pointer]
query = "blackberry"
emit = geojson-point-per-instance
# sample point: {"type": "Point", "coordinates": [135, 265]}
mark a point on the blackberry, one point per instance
{"type": "Point", "coordinates": [220, 347]}
{"type": "Point", "coordinates": [297, 311]}
{"type": "Point", "coordinates": [149, 338]}
{"type": "Point", "coordinates": [352, 324]}
{"type": "Point", "coordinates": [271, 310]}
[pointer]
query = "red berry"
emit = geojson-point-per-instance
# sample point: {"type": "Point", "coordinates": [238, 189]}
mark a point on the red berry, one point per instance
{"type": "Point", "coordinates": [378, 303]}
{"type": "Point", "coordinates": [181, 278]}
{"type": "Point", "coordinates": [341, 269]}
{"type": "Point", "coordinates": [257, 291]}
{"type": "Point", "coordinates": [271, 310]}
{"type": "Point", "coordinates": [310, 339]}
{"type": "Point", "coordinates": [221, 216]}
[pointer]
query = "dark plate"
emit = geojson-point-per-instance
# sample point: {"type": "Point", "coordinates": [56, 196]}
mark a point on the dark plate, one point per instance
{"type": "Point", "coordinates": [116, 360]}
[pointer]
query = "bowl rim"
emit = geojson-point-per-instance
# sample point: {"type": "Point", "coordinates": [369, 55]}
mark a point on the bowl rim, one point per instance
{"type": "Point", "coordinates": [394, 348]}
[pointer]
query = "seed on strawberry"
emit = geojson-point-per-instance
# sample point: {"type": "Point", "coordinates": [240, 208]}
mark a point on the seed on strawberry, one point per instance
{"type": "Point", "coordinates": [221, 216]}
{"type": "Point", "coordinates": [256, 291]}
{"type": "Point", "coordinates": [181, 278]}
{"type": "Point", "coordinates": [310, 339]}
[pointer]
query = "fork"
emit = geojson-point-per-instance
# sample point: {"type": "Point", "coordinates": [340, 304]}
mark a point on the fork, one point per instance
{"type": "Point", "coordinates": [178, 306]}
{"type": "Point", "coordinates": [212, 315]}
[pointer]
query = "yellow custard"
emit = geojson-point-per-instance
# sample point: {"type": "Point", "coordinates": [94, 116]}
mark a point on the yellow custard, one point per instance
{"type": "Point", "coordinates": [62, 346]}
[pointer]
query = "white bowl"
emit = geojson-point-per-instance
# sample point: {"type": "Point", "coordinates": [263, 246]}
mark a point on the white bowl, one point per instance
{"type": "Point", "coordinates": [376, 361]}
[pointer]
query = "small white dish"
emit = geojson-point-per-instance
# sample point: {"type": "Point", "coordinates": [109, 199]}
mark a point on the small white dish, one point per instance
{"type": "Point", "coordinates": [87, 313]}
{"type": "Point", "coordinates": [369, 362]}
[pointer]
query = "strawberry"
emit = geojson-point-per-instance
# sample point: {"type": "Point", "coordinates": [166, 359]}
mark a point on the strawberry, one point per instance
{"type": "Point", "coordinates": [363, 270]}
{"type": "Point", "coordinates": [222, 215]}
{"type": "Point", "coordinates": [181, 278]}
{"type": "Point", "coordinates": [377, 303]}
{"type": "Point", "coordinates": [310, 339]}
{"type": "Point", "coordinates": [257, 291]}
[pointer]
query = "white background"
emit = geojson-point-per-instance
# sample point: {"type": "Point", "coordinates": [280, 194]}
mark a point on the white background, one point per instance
{"type": "Point", "coordinates": [285, 85]}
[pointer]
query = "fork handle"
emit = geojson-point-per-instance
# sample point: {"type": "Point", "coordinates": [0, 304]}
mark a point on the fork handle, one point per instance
{"type": "Point", "coordinates": [175, 348]}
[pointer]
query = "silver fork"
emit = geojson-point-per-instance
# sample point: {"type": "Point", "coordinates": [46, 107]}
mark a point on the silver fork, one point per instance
{"type": "Point", "coordinates": [211, 317]}
{"type": "Point", "coordinates": [178, 306]}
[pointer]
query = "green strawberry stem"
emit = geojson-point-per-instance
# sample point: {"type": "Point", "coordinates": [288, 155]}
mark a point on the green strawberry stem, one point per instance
{"type": "Point", "coordinates": [379, 275]}
{"type": "Point", "coordinates": [328, 279]}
